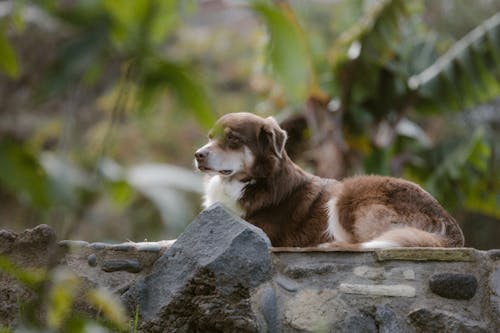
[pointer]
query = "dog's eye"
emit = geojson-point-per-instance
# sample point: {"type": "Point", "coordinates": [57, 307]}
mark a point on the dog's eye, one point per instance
{"type": "Point", "coordinates": [233, 141]}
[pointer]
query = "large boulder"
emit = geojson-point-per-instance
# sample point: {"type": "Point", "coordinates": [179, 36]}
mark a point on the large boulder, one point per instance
{"type": "Point", "coordinates": [204, 282]}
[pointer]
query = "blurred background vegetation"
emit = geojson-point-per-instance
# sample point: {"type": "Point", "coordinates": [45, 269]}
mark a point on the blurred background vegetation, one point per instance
{"type": "Point", "coordinates": [102, 103]}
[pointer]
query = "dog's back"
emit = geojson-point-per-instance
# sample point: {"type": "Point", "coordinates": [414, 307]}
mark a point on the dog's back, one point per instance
{"type": "Point", "coordinates": [380, 209]}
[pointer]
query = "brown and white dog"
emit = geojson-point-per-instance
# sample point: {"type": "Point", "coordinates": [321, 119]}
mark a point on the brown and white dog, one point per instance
{"type": "Point", "coordinates": [250, 172]}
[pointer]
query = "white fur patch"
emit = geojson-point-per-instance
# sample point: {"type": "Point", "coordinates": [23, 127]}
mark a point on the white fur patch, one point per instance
{"type": "Point", "coordinates": [334, 229]}
{"type": "Point", "coordinates": [378, 244]}
{"type": "Point", "coordinates": [225, 191]}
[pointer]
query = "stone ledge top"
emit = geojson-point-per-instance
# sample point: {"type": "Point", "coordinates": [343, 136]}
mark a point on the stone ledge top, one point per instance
{"type": "Point", "coordinates": [124, 247]}
{"type": "Point", "coordinates": [406, 254]}
{"type": "Point", "coordinates": [427, 254]}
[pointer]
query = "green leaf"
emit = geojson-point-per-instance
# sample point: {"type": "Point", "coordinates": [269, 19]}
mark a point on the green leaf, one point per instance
{"type": "Point", "coordinates": [141, 22]}
{"type": "Point", "coordinates": [287, 49]}
{"type": "Point", "coordinates": [8, 58]}
{"type": "Point", "coordinates": [21, 174]}
{"type": "Point", "coordinates": [164, 20]}
{"type": "Point", "coordinates": [127, 16]}
{"type": "Point", "coordinates": [110, 306]}
{"type": "Point", "coordinates": [463, 175]}
{"type": "Point", "coordinates": [377, 32]}
{"type": "Point", "coordinates": [61, 297]}
{"type": "Point", "coordinates": [6, 330]}
{"type": "Point", "coordinates": [471, 63]}
{"type": "Point", "coordinates": [30, 277]}
{"type": "Point", "coordinates": [161, 75]}
{"type": "Point", "coordinates": [120, 192]}
{"type": "Point", "coordinates": [77, 60]}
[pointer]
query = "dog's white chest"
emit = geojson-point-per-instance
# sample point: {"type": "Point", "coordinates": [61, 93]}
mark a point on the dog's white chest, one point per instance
{"type": "Point", "coordinates": [224, 191]}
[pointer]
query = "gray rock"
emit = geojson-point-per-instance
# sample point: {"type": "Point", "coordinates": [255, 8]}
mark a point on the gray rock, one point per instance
{"type": "Point", "coordinates": [126, 265]}
{"type": "Point", "coordinates": [429, 321]}
{"type": "Point", "coordinates": [123, 247]}
{"type": "Point", "coordinates": [388, 321]}
{"type": "Point", "coordinates": [149, 248]}
{"type": "Point", "coordinates": [7, 239]}
{"type": "Point", "coordinates": [266, 307]}
{"type": "Point", "coordinates": [31, 248]}
{"type": "Point", "coordinates": [286, 283]}
{"type": "Point", "coordinates": [494, 254]}
{"type": "Point", "coordinates": [495, 282]}
{"type": "Point", "coordinates": [313, 310]}
{"type": "Point", "coordinates": [495, 293]}
{"type": "Point", "coordinates": [92, 260]}
{"type": "Point", "coordinates": [453, 285]}
{"type": "Point", "coordinates": [203, 282]}
{"type": "Point", "coordinates": [73, 244]}
{"type": "Point", "coordinates": [99, 246]}
{"type": "Point", "coordinates": [359, 321]}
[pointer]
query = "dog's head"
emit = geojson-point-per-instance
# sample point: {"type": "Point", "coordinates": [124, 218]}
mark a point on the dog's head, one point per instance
{"type": "Point", "coordinates": [242, 145]}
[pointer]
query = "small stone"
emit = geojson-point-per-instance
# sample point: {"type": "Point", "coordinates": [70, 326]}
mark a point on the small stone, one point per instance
{"type": "Point", "coordinates": [409, 274]}
{"type": "Point", "coordinates": [73, 244]}
{"type": "Point", "coordinates": [286, 283]}
{"type": "Point", "coordinates": [266, 303]}
{"type": "Point", "coordinates": [99, 246]}
{"type": "Point", "coordinates": [388, 321]}
{"type": "Point", "coordinates": [301, 271]}
{"type": "Point", "coordinates": [373, 273]}
{"type": "Point", "coordinates": [495, 292]}
{"type": "Point", "coordinates": [357, 322]}
{"type": "Point", "coordinates": [453, 285]}
{"type": "Point", "coordinates": [495, 282]}
{"type": "Point", "coordinates": [92, 260]}
{"type": "Point", "coordinates": [149, 248]}
{"type": "Point", "coordinates": [378, 290]}
{"type": "Point", "coordinates": [494, 254]}
{"type": "Point", "coordinates": [314, 309]}
{"type": "Point", "coordinates": [122, 247]}
{"type": "Point", "coordinates": [429, 321]}
{"type": "Point", "coordinates": [127, 265]}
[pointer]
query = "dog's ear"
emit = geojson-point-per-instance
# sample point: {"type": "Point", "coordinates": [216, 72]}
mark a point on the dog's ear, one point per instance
{"type": "Point", "coordinates": [273, 136]}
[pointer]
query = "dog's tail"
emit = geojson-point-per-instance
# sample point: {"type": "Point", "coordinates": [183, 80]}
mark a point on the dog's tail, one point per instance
{"type": "Point", "coordinates": [406, 237]}
{"type": "Point", "coordinates": [400, 237]}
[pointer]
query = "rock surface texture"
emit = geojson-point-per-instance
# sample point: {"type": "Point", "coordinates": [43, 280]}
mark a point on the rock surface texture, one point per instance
{"type": "Point", "coordinates": [203, 283]}
{"type": "Point", "coordinates": [222, 276]}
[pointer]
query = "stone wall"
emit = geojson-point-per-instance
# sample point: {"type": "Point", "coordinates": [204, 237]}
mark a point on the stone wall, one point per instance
{"type": "Point", "coordinates": [222, 276]}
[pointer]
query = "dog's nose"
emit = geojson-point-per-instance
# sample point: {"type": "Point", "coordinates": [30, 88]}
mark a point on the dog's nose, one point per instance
{"type": "Point", "coordinates": [201, 154]}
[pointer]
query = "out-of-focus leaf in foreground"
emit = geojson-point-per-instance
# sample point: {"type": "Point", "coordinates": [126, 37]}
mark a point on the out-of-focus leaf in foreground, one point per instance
{"type": "Point", "coordinates": [110, 306]}
{"type": "Point", "coordinates": [8, 60]}
{"type": "Point", "coordinates": [21, 173]}
{"type": "Point", "coordinates": [162, 75]}
{"type": "Point", "coordinates": [288, 53]}
{"type": "Point", "coordinates": [468, 74]}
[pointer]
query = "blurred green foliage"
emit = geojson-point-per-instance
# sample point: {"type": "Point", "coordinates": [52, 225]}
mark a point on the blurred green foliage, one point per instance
{"type": "Point", "coordinates": [287, 48]}
{"type": "Point", "coordinates": [379, 66]}
{"type": "Point", "coordinates": [57, 292]}
{"type": "Point", "coordinates": [383, 75]}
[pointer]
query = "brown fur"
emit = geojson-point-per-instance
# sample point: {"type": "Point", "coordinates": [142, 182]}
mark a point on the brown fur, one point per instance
{"type": "Point", "coordinates": [393, 203]}
{"type": "Point", "coordinates": [290, 205]}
